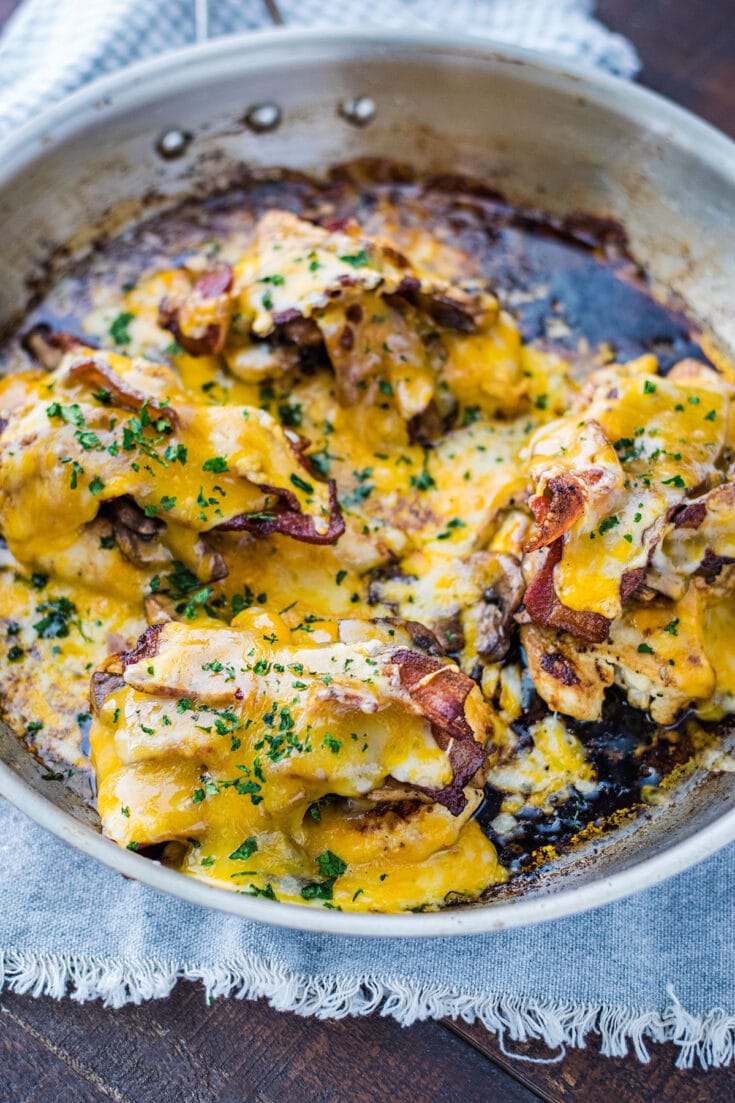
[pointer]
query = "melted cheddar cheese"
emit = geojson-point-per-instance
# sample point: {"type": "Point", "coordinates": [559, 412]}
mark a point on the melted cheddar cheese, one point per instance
{"type": "Point", "coordinates": [285, 511]}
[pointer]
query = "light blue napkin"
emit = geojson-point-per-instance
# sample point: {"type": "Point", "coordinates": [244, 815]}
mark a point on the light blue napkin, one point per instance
{"type": "Point", "coordinates": [659, 966]}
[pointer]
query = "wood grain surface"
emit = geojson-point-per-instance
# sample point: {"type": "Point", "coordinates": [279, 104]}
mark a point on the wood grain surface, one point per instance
{"type": "Point", "coordinates": [180, 1050]}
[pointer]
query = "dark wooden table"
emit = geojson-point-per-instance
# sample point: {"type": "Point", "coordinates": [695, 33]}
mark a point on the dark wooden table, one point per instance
{"type": "Point", "coordinates": [181, 1051]}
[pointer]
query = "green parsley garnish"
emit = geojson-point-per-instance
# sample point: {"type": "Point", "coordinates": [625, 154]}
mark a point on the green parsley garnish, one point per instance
{"type": "Point", "coordinates": [215, 463]}
{"type": "Point", "coordinates": [356, 260]}
{"type": "Point", "coordinates": [245, 850]}
{"type": "Point", "coordinates": [302, 484]}
{"type": "Point", "coordinates": [119, 328]}
{"type": "Point", "coordinates": [59, 615]}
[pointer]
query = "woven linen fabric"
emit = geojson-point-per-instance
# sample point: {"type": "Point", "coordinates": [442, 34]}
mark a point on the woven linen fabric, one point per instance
{"type": "Point", "coordinates": [658, 966]}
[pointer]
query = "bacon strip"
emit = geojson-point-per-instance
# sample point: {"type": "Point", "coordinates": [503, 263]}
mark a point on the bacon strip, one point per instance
{"type": "Point", "coordinates": [105, 682]}
{"type": "Point", "coordinates": [288, 519]}
{"type": "Point", "coordinates": [146, 647]}
{"type": "Point", "coordinates": [98, 373]}
{"type": "Point", "coordinates": [544, 607]}
{"type": "Point", "coordinates": [439, 693]}
{"type": "Point", "coordinates": [211, 286]}
{"type": "Point", "coordinates": [556, 515]}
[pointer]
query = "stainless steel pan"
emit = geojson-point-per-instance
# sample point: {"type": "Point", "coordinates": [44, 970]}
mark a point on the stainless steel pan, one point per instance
{"type": "Point", "coordinates": [557, 138]}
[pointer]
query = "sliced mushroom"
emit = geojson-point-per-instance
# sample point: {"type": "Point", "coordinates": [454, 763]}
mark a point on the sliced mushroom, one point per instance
{"type": "Point", "coordinates": [48, 347]}
{"type": "Point", "coordinates": [500, 601]}
{"type": "Point", "coordinates": [136, 534]}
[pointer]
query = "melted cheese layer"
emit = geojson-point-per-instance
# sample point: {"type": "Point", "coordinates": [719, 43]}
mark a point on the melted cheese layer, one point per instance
{"type": "Point", "coordinates": [318, 783]}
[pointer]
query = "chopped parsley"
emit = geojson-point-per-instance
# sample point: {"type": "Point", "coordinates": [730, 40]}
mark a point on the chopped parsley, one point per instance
{"type": "Point", "coordinates": [58, 616]}
{"type": "Point", "coordinates": [330, 865]}
{"type": "Point", "coordinates": [290, 414]}
{"type": "Point", "coordinates": [175, 453]}
{"type": "Point", "coordinates": [424, 481]}
{"type": "Point", "coordinates": [356, 260]}
{"type": "Point", "coordinates": [245, 850]}
{"type": "Point", "coordinates": [72, 414]}
{"type": "Point", "coordinates": [119, 328]}
{"type": "Point", "coordinates": [215, 463]}
{"type": "Point", "coordinates": [301, 484]}
{"type": "Point", "coordinates": [267, 892]}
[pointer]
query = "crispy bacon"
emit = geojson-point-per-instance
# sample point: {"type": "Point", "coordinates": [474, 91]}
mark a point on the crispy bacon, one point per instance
{"type": "Point", "coordinates": [110, 678]}
{"type": "Point", "coordinates": [287, 518]}
{"type": "Point", "coordinates": [146, 647]}
{"type": "Point", "coordinates": [215, 283]}
{"type": "Point", "coordinates": [556, 514]}
{"type": "Point", "coordinates": [212, 286]}
{"type": "Point", "coordinates": [440, 692]}
{"type": "Point", "coordinates": [544, 607]}
{"type": "Point", "coordinates": [98, 373]}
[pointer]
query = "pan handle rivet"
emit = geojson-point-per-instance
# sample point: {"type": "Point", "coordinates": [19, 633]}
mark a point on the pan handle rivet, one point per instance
{"type": "Point", "coordinates": [358, 110]}
{"type": "Point", "coordinates": [263, 117]}
{"type": "Point", "coordinates": [173, 143]}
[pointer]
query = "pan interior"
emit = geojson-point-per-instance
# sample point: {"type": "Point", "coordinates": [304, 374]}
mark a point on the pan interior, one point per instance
{"type": "Point", "coordinates": [543, 139]}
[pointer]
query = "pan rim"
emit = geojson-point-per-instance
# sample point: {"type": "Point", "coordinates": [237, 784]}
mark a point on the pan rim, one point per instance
{"type": "Point", "coordinates": [138, 84]}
